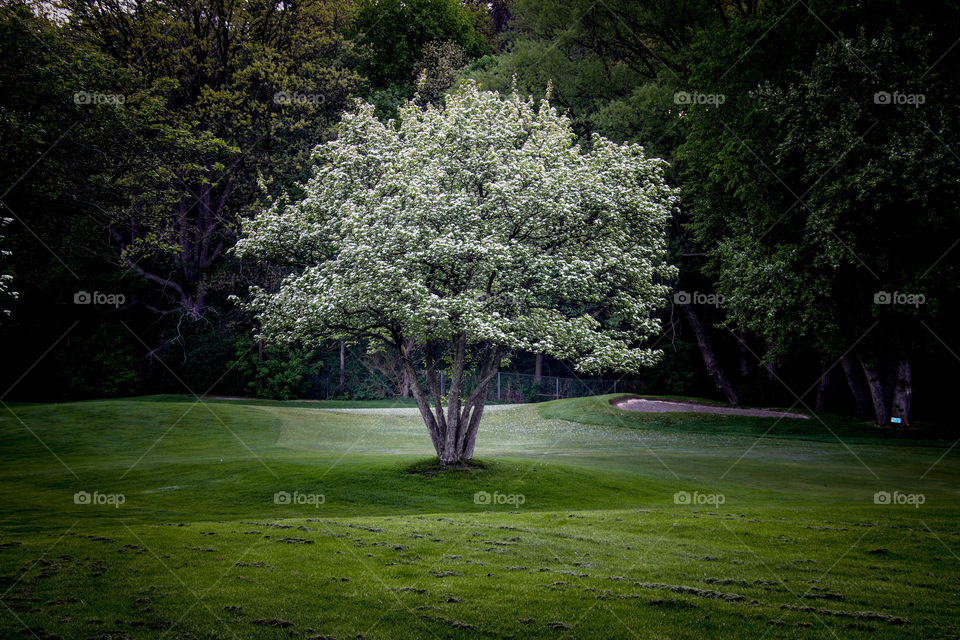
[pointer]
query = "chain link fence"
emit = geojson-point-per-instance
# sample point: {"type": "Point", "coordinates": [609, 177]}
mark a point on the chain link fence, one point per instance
{"type": "Point", "coordinates": [507, 387]}
{"type": "Point", "coordinates": [522, 387]}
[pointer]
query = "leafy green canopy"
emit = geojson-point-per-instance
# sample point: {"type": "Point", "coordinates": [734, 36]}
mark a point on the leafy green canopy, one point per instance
{"type": "Point", "coordinates": [481, 219]}
{"type": "Point", "coordinates": [393, 34]}
{"type": "Point", "coordinates": [814, 190]}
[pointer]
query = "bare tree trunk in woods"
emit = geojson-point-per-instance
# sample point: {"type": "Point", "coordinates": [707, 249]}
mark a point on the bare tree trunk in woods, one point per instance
{"type": "Point", "coordinates": [855, 383]}
{"type": "Point", "coordinates": [709, 359]}
{"type": "Point", "coordinates": [820, 403]}
{"type": "Point", "coordinates": [881, 405]}
{"type": "Point", "coordinates": [538, 369]}
{"type": "Point", "coordinates": [770, 365]}
{"type": "Point", "coordinates": [903, 391]}
{"type": "Point", "coordinates": [744, 352]}
{"type": "Point", "coordinates": [343, 367]}
{"type": "Point", "coordinates": [500, 19]}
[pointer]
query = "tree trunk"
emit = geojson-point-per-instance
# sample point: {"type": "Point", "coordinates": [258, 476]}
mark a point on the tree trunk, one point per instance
{"type": "Point", "coordinates": [820, 403]}
{"type": "Point", "coordinates": [771, 364]}
{"type": "Point", "coordinates": [538, 369]}
{"type": "Point", "coordinates": [418, 395]}
{"type": "Point", "coordinates": [476, 415]}
{"type": "Point", "coordinates": [477, 401]}
{"type": "Point", "coordinates": [453, 432]}
{"type": "Point", "coordinates": [433, 383]}
{"type": "Point", "coordinates": [452, 450]}
{"type": "Point", "coordinates": [881, 406]}
{"type": "Point", "coordinates": [856, 386]}
{"type": "Point", "coordinates": [903, 391]}
{"type": "Point", "coordinates": [709, 359]}
{"type": "Point", "coordinates": [404, 383]}
{"type": "Point", "coordinates": [343, 367]}
{"type": "Point", "coordinates": [742, 348]}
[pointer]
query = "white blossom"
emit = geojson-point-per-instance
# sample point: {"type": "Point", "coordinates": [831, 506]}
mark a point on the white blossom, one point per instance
{"type": "Point", "coordinates": [483, 217]}
{"type": "Point", "coordinates": [6, 293]}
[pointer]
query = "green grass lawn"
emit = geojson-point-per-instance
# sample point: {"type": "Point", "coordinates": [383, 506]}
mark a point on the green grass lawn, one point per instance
{"type": "Point", "coordinates": [582, 536]}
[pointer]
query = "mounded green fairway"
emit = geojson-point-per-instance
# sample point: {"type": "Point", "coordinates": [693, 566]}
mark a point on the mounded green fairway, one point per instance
{"type": "Point", "coordinates": [582, 536]}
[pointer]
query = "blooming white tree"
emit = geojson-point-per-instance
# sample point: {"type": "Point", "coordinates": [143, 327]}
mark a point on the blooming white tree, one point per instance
{"type": "Point", "coordinates": [470, 230]}
{"type": "Point", "coordinates": [6, 293]}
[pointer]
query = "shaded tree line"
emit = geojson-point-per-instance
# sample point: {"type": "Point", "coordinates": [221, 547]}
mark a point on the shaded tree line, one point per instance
{"type": "Point", "coordinates": [815, 145]}
{"type": "Point", "coordinates": [137, 134]}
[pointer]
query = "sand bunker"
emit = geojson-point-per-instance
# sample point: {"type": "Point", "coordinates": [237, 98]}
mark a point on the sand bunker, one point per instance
{"type": "Point", "coordinates": [643, 405]}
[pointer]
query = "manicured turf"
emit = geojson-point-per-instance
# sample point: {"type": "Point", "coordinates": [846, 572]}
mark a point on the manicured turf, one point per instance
{"type": "Point", "coordinates": [582, 536]}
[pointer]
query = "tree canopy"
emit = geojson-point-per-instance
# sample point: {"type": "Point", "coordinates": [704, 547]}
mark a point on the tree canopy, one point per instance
{"type": "Point", "coordinates": [480, 225]}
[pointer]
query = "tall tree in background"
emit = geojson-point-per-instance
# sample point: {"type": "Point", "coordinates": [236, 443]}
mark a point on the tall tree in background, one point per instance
{"type": "Point", "coordinates": [437, 69]}
{"type": "Point", "coordinates": [756, 148]}
{"type": "Point", "coordinates": [392, 36]}
{"type": "Point", "coordinates": [135, 135]}
{"type": "Point", "coordinates": [617, 68]}
{"type": "Point", "coordinates": [820, 182]}
{"type": "Point", "coordinates": [58, 135]}
{"type": "Point", "coordinates": [223, 93]}
{"type": "Point", "coordinates": [879, 218]}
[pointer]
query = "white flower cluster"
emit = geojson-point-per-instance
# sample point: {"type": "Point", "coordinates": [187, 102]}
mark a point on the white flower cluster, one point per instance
{"type": "Point", "coordinates": [481, 217]}
{"type": "Point", "coordinates": [5, 278]}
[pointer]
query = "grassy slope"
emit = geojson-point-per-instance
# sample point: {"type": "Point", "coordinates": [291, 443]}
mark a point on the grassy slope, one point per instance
{"type": "Point", "coordinates": [598, 543]}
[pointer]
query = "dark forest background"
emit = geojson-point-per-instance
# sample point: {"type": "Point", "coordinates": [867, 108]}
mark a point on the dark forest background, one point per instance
{"type": "Point", "coordinates": [815, 143]}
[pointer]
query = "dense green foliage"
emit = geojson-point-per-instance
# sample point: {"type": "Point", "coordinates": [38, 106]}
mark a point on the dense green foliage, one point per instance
{"type": "Point", "coordinates": [813, 145]}
{"type": "Point", "coordinates": [396, 33]}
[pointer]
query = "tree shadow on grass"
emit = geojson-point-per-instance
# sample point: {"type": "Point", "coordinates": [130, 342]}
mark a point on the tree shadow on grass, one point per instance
{"type": "Point", "coordinates": [429, 467]}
